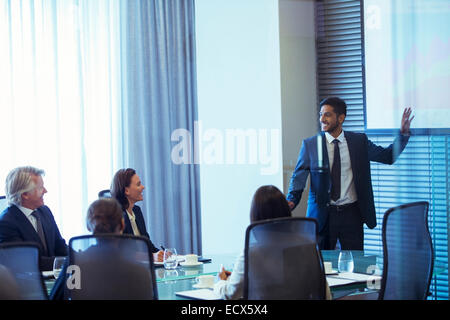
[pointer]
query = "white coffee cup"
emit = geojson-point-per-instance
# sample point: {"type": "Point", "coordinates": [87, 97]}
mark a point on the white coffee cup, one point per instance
{"type": "Point", "coordinates": [328, 267]}
{"type": "Point", "coordinates": [191, 259]}
{"type": "Point", "coordinates": [205, 280]}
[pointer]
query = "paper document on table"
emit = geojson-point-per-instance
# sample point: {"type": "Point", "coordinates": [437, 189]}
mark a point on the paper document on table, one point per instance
{"type": "Point", "coordinates": [357, 277]}
{"type": "Point", "coordinates": [334, 282]}
{"type": "Point", "coordinates": [201, 294]}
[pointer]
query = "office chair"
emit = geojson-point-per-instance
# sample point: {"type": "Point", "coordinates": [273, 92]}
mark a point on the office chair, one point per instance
{"type": "Point", "coordinates": [104, 194]}
{"type": "Point", "coordinates": [9, 289]}
{"type": "Point", "coordinates": [408, 253]}
{"type": "Point", "coordinates": [282, 260]}
{"type": "Point", "coordinates": [21, 277]}
{"type": "Point", "coordinates": [111, 267]}
{"type": "Point", "coordinates": [3, 203]}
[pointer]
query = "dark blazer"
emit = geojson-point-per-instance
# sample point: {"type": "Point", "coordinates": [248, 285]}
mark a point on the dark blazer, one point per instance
{"type": "Point", "coordinates": [362, 151]}
{"type": "Point", "coordinates": [15, 227]}
{"type": "Point", "coordinates": [140, 222]}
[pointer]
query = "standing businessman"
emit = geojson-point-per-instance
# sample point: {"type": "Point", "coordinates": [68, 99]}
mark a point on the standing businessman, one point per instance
{"type": "Point", "coordinates": [341, 196]}
{"type": "Point", "coordinates": [27, 219]}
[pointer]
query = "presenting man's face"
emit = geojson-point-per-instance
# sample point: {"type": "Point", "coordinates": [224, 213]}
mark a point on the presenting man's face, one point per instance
{"type": "Point", "coordinates": [329, 120]}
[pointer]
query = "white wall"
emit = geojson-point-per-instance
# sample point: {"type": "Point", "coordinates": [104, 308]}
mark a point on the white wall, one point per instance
{"type": "Point", "coordinates": [238, 79]}
{"type": "Point", "coordinates": [298, 83]}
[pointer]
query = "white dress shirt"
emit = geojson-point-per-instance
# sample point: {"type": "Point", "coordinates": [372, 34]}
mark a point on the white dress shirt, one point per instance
{"type": "Point", "coordinates": [233, 287]}
{"type": "Point", "coordinates": [27, 212]}
{"type": "Point", "coordinates": [134, 226]}
{"type": "Point", "coordinates": [348, 193]}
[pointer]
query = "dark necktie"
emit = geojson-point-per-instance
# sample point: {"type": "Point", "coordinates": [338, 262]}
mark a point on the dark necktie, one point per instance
{"type": "Point", "coordinates": [336, 173]}
{"type": "Point", "coordinates": [40, 231]}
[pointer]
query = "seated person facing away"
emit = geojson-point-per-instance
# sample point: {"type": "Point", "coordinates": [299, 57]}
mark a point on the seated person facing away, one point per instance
{"type": "Point", "coordinates": [268, 203]}
{"type": "Point", "coordinates": [105, 217]}
{"type": "Point", "coordinates": [27, 219]}
{"type": "Point", "coordinates": [127, 188]}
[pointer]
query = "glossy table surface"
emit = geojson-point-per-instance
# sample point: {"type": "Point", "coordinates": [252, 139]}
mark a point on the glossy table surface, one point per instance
{"type": "Point", "coordinates": [183, 278]}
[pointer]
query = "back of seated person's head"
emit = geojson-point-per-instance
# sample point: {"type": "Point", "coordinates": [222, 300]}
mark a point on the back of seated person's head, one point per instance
{"type": "Point", "coordinates": [269, 203]}
{"type": "Point", "coordinates": [105, 216]}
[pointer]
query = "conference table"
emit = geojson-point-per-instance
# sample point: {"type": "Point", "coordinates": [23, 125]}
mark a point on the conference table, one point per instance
{"type": "Point", "coordinates": [365, 279]}
{"type": "Point", "coordinates": [169, 282]}
{"type": "Point", "coordinates": [184, 278]}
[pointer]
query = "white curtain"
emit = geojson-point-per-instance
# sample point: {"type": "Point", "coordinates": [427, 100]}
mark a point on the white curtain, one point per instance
{"type": "Point", "coordinates": [60, 97]}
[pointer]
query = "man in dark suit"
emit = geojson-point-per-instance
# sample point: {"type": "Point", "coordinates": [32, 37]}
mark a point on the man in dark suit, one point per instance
{"type": "Point", "coordinates": [27, 219]}
{"type": "Point", "coordinates": [341, 196]}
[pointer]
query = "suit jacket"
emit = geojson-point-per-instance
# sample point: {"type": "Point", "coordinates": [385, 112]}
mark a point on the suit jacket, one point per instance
{"type": "Point", "coordinates": [140, 222]}
{"type": "Point", "coordinates": [15, 227]}
{"type": "Point", "coordinates": [362, 151]}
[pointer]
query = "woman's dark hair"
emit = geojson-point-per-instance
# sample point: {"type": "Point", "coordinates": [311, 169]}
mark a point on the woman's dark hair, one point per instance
{"type": "Point", "coordinates": [122, 180]}
{"type": "Point", "coordinates": [269, 203]}
{"type": "Point", "coordinates": [104, 216]}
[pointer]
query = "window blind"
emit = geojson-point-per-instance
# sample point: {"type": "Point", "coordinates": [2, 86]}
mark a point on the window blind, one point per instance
{"type": "Point", "coordinates": [422, 170]}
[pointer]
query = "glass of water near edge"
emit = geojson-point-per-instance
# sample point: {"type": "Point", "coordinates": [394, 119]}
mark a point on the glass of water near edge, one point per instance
{"type": "Point", "coordinates": [170, 258]}
{"type": "Point", "coordinates": [58, 264]}
{"type": "Point", "coordinates": [345, 261]}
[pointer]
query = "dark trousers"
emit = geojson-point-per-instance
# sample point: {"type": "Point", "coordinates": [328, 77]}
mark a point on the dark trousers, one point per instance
{"type": "Point", "coordinates": [344, 223]}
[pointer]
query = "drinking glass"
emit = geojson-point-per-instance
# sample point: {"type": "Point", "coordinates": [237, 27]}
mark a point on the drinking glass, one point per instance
{"type": "Point", "coordinates": [58, 264]}
{"type": "Point", "coordinates": [170, 258]}
{"type": "Point", "coordinates": [345, 261]}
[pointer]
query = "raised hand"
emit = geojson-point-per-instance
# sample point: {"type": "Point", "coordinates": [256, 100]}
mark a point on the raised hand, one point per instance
{"type": "Point", "coordinates": [406, 121]}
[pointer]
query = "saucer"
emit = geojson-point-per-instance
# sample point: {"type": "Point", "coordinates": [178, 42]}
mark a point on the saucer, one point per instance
{"type": "Point", "coordinates": [198, 286]}
{"type": "Point", "coordinates": [190, 265]}
{"type": "Point", "coordinates": [333, 272]}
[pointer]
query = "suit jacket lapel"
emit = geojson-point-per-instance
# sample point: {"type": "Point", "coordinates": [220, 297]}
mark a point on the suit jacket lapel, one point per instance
{"type": "Point", "coordinates": [326, 162]}
{"type": "Point", "coordinates": [25, 226]}
{"type": "Point", "coordinates": [140, 221]}
{"type": "Point", "coordinates": [351, 150]}
{"type": "Point", "coordinates": [48, 228]}
{"type": "Point", "coordinates": [128, 229]}
{"type": "Point", "coordinates": [325, 152]}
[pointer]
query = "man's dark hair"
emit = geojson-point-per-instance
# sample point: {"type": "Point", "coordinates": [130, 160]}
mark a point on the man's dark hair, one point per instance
{"type": "Point", "coordinates": [339, 105]}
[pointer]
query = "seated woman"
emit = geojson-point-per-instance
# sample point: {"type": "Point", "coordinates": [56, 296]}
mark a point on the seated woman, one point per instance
{"type": "Point", "coordinates": [268, 203]}
{"type": "Point", "coordinates": [127, 188]}
{"type": "Point", "coordinates": [104, 216]}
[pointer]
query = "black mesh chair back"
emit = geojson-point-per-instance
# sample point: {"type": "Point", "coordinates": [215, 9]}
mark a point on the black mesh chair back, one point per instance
{"type": "Point", "coordinates": [104, 194]}
{"type": "Point", "coordinates": [283, 261]}
{"type": "Point", "coordinates": [20, 271]}
{"type": "Point", "coordinates": [110, 267]}
{"type": "Point", "coordinates": [408, 253]}
{"type": "Point", "coordinates": [9, 289]}
{"type": "Point", "coordinates": [3, 203]}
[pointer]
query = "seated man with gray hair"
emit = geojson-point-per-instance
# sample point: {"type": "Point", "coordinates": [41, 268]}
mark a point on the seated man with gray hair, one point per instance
{"type": "Point", "coordinates": [27, 218]}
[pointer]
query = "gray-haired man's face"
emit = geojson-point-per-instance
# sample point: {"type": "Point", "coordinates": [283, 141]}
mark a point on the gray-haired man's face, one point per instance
{"type": "Point", "coordinates": [35, 198]}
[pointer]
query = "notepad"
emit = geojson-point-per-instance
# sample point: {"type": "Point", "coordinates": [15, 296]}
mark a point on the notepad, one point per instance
{"type": "Point", "coordinates": [200, 294]}
{"type": "Point", "coordinates": [357, 277]}
{"type": "Point", "coordinates": [334, 282]}
{"type": "Point", "coordinates": [344, 278]}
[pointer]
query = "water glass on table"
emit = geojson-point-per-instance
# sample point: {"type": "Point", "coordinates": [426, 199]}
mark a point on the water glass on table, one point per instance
{"type": "Point", "coordinates": [170, 259]}
{"type": "Point", "coordinates": [345, 261]}
{"type": "Point", "coordinates": [58, 264]}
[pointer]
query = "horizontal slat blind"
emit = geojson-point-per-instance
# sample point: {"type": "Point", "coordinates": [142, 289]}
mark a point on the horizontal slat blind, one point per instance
{"type": "Point", "coordinates": [420, 174]}
{"type": "Point", "coordinates": [422, 170]}
{"type": "Point", "coordinates": [339, 67]}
